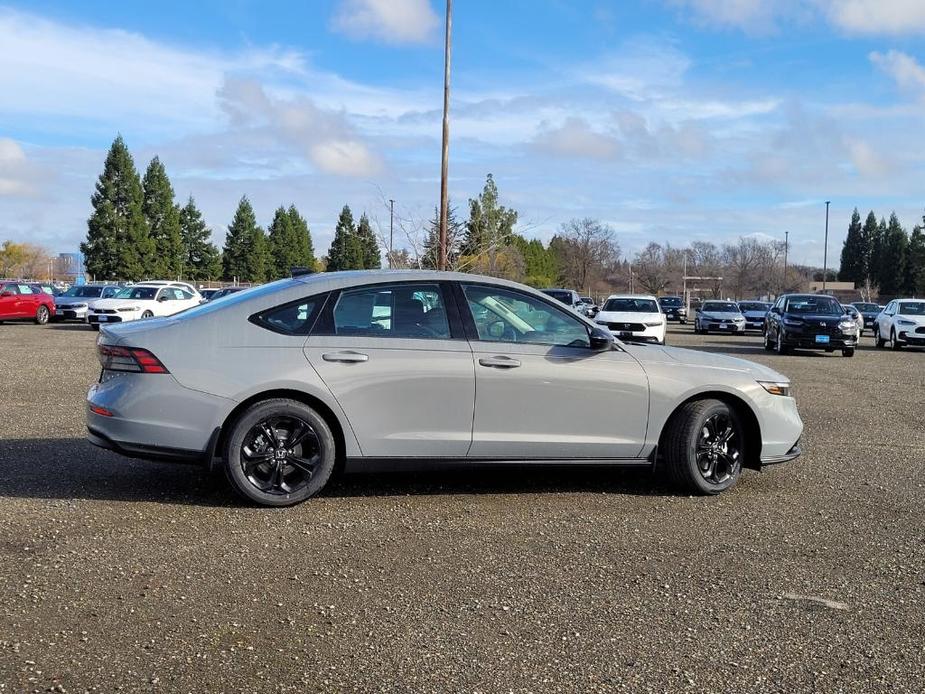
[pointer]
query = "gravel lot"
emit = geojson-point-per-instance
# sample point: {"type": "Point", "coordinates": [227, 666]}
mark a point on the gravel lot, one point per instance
{"type": "Point", "coordinates": [134, 576]}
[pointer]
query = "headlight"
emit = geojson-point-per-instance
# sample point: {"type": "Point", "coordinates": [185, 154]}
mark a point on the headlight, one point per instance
{"type": "Point", "coordinates": [905, 322]}
{"type": "Point", "coordinates": [652, 324]}
{"type": "Point", "coordinates": [791, 322]}
{"type": "Point", "coordinates": [739, 320]}
{"type": "Point", "coordinates": [78, 306]}
{"type": "Point", "coordinates": [776, 387]}
{"type": "Point", "coordinates": [847, 324]}
{"type": "Point", "coordinates": [127, 308]}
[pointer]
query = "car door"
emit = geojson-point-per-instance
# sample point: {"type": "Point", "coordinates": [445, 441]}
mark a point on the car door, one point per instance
{"type": "Point", "coordinates": [9, 301]}
{"type": "Point", "coordinates": [541, 391]}
{"type": "Point", "coordinates": [885, 320]}
{"type": "Point", "coordinates": [28, 301]}
{"type": "Point", "coordinates": [396, 359]}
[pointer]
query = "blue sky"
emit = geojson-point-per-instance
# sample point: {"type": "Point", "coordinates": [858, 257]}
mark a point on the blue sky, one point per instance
{"type": "Point", "coordinates": [671, 120]}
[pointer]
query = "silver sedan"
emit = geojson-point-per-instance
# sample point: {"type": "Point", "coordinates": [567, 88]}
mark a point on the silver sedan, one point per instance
{"type": "Point", "coordinates": [279, 383]}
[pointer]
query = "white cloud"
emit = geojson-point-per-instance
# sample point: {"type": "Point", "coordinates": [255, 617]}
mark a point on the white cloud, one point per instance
{"type": "Point", "coordinates": [867, 160]}
{"type": "Point", "coordinates": [877, 16]}
{"type": "Point", "coordinates": [576, 138]}
{"type": "Point", "coordinates": [15, 171]}
{"type": "Point", "coordinates": [392, 21]}
{"type": "Point", "coordinates": [643, 69]}
{"type": "Point", "coordinates": [905, 70]}
{"type": "Point", "coordinates": [752, 16]}
{"type": "Point", "coordinates": [324, 136]}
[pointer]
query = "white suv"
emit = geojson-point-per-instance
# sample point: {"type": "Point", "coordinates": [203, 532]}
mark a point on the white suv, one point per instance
{"type": "Point", "coordinates": [901, 323]}
{"type": "Point", "coordinates": [144, 300]}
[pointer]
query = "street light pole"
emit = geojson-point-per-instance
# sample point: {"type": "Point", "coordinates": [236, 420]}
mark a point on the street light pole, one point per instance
{"type": "Point", "coordinates": [444, 164]}
{"type": "Point", "coordinates": [825, 251]}
{"type": "Point", "coordinates": [391, 224]}
{"type": "Point", "coordinates": [786, 251]}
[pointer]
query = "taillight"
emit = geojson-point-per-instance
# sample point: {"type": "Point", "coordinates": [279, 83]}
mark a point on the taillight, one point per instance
{"type": "Point", "coordinates": [133, 359]}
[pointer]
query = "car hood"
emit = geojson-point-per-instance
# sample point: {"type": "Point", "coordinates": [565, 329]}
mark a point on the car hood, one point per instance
{"type": "Point", "coordinates": [817, 317]}
{"type": "Point", "coordinates": [720, 315]}
{"type": "Point", "coordinates": [652, 354]}
{"type": "Point", "coordinates": [626, 317]}
{"type": "Point", "coordinates": [118, 303]}
{"type": "Point", "coordinates": [67, 300]}
{"type": "Point", "coordinates": [756, 313]}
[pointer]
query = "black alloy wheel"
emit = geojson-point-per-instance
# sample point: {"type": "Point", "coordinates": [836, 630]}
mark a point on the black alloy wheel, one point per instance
{"type": "Point", "coordinates": [704, 446]}
{"type": "Point", "coordinates": [41, 315]}
{"type": "Point", "coordinates": [279, 452]}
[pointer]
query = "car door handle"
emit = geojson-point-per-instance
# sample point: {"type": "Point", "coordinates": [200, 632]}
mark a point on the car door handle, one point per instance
{"type": "Point", "coordinates": [499, 362]}
{"type": "Point", "coordinates": [347, 357]}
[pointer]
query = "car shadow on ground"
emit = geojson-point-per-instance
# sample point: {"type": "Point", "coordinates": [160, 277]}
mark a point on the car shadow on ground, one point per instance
{"type": "Point", "coordinates": [71, 468]}
{"type": "Point", "coordinates": [70, 326]}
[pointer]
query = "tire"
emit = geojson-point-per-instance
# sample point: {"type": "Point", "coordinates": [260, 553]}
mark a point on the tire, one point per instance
{"type": "Point", "coordinates": [693, 463]}
{"type": "Point", "coordinates": [768, 345]}
{"type": "Point", "coordinates": [42, 315]}
{"type": "Point", "coordinates": [895, 344]}
{"type": "Point", "coordinates": [848, 352]}
{"type": "Point", "coordinates": [779, 346]}
{"type": "Point", "coordinates": [95, 327]}
{"type": "Point", "coordinates": [266, 477]}
{"type": "Point", "coordinates": [877, 341]}
{"type": "Point", "coordinates": [147, 314]}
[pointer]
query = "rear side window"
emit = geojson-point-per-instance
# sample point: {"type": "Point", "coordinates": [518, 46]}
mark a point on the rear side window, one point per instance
{"type": "Point", "coordinates": [294, 318]}
{"type": "Point", "coordinates": [25, 289]}
{"type": "Point", "coordinates": [404, 311]}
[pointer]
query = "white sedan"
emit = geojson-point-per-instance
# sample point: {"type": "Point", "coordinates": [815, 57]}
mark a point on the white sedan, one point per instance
{"type": "Point", "coordinates": [143, 300]}
{"type": "Point", "coordinates": [901, 323]}
{"type": "Point", "coordinates": [633, 317]}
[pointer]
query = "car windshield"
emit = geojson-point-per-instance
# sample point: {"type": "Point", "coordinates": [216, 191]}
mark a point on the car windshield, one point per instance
{"type": "Point", "coordinates": [631, 306]}
{"type": "Point", "coordinates": [867, 308]}
{"type": "Point", "coordinates": [912, 308]}
{"type": "Point", "coordinates": [824, 306]}
{"type": "Point", "coordinates": [587, 300]}
{"type": "Point", "coordinates": [670, 301]}
{"type": "Point", "coordinates": [564, 297]}
{"type": "Point", "coordinates": [142, 293]}
{"type": "Point", "coordinates": [84, 292]}
{"type": "Point", "coordinates": [753, 306]}
{"type": "Point", "coordinates": [720, 307]}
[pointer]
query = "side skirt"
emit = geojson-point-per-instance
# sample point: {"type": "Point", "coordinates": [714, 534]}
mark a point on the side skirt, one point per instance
{"type": "Point", "coordinates": [402, 463]}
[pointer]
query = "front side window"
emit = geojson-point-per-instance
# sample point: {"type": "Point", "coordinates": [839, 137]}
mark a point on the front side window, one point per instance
{"type": "Point", "coordinates": [505, 316]}
{"type": "Point", "coordinates": [11, 288]}
{"type": "Point", "coordinates": [403, 311]}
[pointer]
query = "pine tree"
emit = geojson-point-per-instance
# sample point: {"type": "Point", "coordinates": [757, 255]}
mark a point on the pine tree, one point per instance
{"type": "Point", "coordinates": [855, 253]}
{"type": "Point", "coordinates": [201, 259]}
{"type": "Point", "coordinates": [454, 239]}
{"type": "Point", "coordinates": [915, 263]}
{"type": "Point", "coordinates": [345, 252]}
{"type": "Point", "coordinates": [245, 252]}
{"type": "Point", "coordinates": [872, 236]}
{"type": "Point", "coordinates": [163, 220]}
{"type": "Point", "coordinates": [118, 245]}
{"type": "Point", "coordinates": [303, 236]}
{"type": "Point", "coordinates": [369, 246]}
{"type": "Point", "coordinates": [893, 247]}
{"type": "Point", "coordinates": [488, 230]}
{"type": "Point", "coordinates": [282, 245]}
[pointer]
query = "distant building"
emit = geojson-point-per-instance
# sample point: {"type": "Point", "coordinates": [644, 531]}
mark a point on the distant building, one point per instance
{"type": "Point", "coordinates": [843, 291]}
{"type": "Point", "coordinates": [70, 267]}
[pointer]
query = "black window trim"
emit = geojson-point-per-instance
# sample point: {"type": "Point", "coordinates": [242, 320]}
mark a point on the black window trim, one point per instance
{"type": "Point", "coordinates": [259, 319]}
{"type": "Point", "coordinates": [473, 333]}
{"type": "Point", "coordinates": [324, 324]}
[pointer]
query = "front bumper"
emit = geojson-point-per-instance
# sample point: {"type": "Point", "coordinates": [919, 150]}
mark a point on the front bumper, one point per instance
{"type": "Point", "coordinates": [714, 327]}
{"type": "Point", "coordinates": [68, 313]}
{"type": "Point", "coordinates": [916, 339]}
{"type": "Point", "coordinates": [754, 323]}
{"type": "Point", "coordinates": [792, 454]}
{"type": "Point", "coordinates": [654, 334]}
{"type": "Point", "coordinates": [803, 341]}
{"type": "Point", "coordinates": [676, 314]}
{"type": "Point", "coordinates": [118, 317]}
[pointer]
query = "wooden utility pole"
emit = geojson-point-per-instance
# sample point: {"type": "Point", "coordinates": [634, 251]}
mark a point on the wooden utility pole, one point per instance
{"type": "Point", "coordinates": [444, 203]}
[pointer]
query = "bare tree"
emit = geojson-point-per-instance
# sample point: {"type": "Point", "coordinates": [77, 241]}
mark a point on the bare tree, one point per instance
{"type": "Point", "coordinates": [588, 251]}
{"type": "Point", "coordinates": [651, 268]}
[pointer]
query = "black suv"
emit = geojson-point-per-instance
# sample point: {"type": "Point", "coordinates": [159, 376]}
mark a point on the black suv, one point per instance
{"type": "Point", "coordinates": [673, 308]}
{"type": "Point", "coordinates": [810, 321]}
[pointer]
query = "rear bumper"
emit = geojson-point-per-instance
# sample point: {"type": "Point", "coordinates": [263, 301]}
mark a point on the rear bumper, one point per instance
{"type": "Point", "coordinates": [149, 452]}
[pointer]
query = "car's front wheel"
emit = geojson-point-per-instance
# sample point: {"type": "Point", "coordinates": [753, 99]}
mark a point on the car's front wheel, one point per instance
{"type": "Point", "coordinates": [42, 315]}
{"type": "Point", "coordinates": [147, 314]}
{"type": "Point", "coordinates": [848, 352]}
{"type": "Point", "coordinates": [279, 452]}
{"type": "Point", "coordinates": [894, 343]}
{"type": "Point", "coordinates": [781, 346]}
{"type": "Point", "coordinates": [877, 340]}
{"type": "Point", "coordinates": [704, 447]}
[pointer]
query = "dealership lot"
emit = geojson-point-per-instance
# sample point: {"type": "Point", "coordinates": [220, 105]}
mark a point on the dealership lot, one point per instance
{"type": "Point", "coordinates": [809, 576]}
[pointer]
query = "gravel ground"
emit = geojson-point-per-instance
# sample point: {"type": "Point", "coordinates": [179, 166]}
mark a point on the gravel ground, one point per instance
{"type": "Point", "coordinates": [134, 576]}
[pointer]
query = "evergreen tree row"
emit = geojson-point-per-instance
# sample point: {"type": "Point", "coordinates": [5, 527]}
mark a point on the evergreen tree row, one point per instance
{"type": "Point", "coordinates": [354, 246]}
{"type": "Point", "coordinates": [136, 231]}
{"type": "Point", "coordinates": [882, 254]}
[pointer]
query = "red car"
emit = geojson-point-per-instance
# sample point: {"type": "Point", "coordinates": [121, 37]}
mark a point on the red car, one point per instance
{"type": "Point", "coordinates": [19, 301]}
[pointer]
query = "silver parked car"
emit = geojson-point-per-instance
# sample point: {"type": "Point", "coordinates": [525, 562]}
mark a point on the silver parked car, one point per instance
{"type": "Point", "coordinates": [279, 382]}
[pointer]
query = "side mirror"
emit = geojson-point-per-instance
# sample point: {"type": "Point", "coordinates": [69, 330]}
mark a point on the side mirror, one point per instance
{"type": "Point", "coordinates": [775, 310]}
{"type": "Point", "coordinates": [601, 339]}
{"type": "Point", "coordinates": [163, 298]}
{"type": "Point", "coordinates": [696, 310]}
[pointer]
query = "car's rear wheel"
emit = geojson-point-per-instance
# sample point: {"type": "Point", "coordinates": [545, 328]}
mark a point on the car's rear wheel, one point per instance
{"type": "Point", "coordinates": [279, 452]}
{"type": "Point", "coordinates": [42, 315]}
{"type": "Point", "coordinates": [704, 447]}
